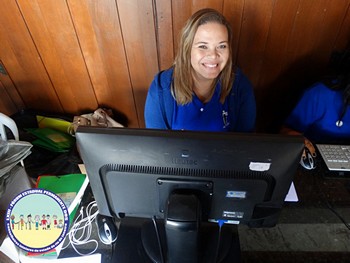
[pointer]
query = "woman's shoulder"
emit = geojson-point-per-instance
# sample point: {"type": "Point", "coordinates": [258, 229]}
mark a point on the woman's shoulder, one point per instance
{"type": "Point", "coordinates": [241, 81]}
{"type": "Point", "coordinates": [161, 86]}
{"type": "Point", "coordinates": [165, 76]}
{"type": "Point", "coordinates": [237, 72]}
{"type": "Point", "coordinates": [320, 89]}
{"type": "Point", "coordinates": [162, 81]}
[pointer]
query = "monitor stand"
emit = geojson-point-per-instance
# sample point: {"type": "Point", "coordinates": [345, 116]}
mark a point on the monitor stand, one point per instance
{"type": "Point", "coordinates": [182, 237]}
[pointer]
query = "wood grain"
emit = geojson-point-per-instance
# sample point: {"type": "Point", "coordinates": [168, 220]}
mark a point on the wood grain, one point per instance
{"type": "Point", "coordinates": [73, 55]}
{"type": "Point", "coordinates": [140, 47]}
{"type": "Point", "coordinates": [52, 29]}
{"type": "Point", "coordinates": [100, 37]}
{"type": "Point", "coordinates": [23, 63]}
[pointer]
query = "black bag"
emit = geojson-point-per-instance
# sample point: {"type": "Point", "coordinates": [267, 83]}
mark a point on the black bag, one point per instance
{"type": "Point", "coordinates": [42, 161]}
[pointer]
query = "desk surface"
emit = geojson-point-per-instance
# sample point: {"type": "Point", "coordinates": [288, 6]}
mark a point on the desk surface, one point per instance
{"type": "Point", "coordinates": [308, 231]}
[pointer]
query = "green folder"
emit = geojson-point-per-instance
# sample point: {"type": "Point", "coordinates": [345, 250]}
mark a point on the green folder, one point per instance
{"type": "Point", "coordinates": [52, 140]}
{"type": "Point", "coordinates": [64, 185]}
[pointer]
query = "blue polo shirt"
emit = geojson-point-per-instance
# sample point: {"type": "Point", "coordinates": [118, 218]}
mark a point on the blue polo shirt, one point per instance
{"type": "Point", "coordinates": [197, 115]}
{"type": "Point", "coordinates": [237, 113]}
{"type": "Point", "coordinates": [316, 114]}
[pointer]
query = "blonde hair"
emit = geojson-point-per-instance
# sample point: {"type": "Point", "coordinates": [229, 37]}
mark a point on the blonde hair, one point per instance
{"type": "Point", "coordinates": [182, 87]}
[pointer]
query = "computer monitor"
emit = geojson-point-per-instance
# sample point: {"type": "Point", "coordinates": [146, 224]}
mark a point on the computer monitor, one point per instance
{"type": "Point", "coordinates": [189, 177]}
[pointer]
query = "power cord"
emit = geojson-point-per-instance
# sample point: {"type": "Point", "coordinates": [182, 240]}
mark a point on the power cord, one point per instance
{"type": "Point", "coordinates": [329, 206]}
{"type": "Point", "coordinates": [158, 239]}
{"type": "Point", "coordinates": [80, 232]}
{"type": "Point", "coordinates": [347, 225]}
{"type": "Point", "coordinates": [220, 223]}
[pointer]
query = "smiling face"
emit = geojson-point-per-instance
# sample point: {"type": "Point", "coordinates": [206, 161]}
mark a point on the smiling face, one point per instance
{"type": "Point", "coordinates": [210, 51]}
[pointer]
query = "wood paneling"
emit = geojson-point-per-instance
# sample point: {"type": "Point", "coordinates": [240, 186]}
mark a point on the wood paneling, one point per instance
{"type": "Point", "coordinates": [140, 47]}
{"type": "Point", "coordinates": [183, 9]}
{"type": "Point", "coordinates": [75, 55]}
{"type": "Point", "coordinates": [301, 58]}
{"type": "Point", "coordinates": [281, 26]}
{"type": "Point", "coordinates": [99, 33]}
{"type": "Point", "coordinates": [23, 63]}
{"type": "Point", "coordinates": [343, 38]}
{"type": "Point", "coordinates": [164, 33]}
{"type": "Point", "coordinates": [7, 106]}
{"type": "Point", "coordinates": [54, 35]}
{"type": "Point", "coordinates": [10, 99]}
{"type": "Point", "coordinates": [269, 101]}
{"type": "Point", "coordinates": [253, 37]}
{"type": "Point", "coordinates": [233, 11]}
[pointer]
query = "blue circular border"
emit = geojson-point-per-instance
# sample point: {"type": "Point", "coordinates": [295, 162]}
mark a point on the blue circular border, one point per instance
{"type": "Point", "coordinates": [59, 202]}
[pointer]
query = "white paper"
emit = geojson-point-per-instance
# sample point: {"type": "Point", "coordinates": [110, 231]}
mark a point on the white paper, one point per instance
{"type": "Point", "coordinates": [10, 249]}
{"type": "Point", "coordinates": [95, 258]}
{"type": "Point", "coordinates": [260, 167]}
{"type": "Point", "coordinates": [292, 194]}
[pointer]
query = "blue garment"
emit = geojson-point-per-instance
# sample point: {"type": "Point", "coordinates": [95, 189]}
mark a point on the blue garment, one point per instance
{"type": "Point", "coordinates": [237, 113]}
{"type": "Point", "coordinates": [316, 114]}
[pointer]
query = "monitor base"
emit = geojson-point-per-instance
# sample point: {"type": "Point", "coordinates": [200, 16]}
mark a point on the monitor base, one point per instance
{"type": "Point", "coordinates": [229, 250]}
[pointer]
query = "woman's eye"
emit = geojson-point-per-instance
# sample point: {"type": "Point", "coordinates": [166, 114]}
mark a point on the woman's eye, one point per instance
{"type": "Point", "coordinates": [202, 47]}
{"type": "Point", "coordinates": [222, 47]}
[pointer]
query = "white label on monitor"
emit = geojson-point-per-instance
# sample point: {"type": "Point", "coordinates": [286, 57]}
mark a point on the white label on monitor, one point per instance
{"type": "Point", "coordinates": [236, 194]}
{"type": "Point", "coordinates": [234, 222]}
{"type": "Point", "coordinates": [260, 167]}
{"type": "Point", "coordinates": [232, 214]}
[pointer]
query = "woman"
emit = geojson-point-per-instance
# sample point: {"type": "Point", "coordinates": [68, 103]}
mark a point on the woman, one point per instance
{"type": "Point", "coordinates": [322, 115]}
{"type": "Point", "coordinates": [201, 91]}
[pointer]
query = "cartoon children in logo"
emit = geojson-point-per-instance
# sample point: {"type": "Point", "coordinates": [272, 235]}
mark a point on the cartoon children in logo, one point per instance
{"type": "Point", "coordinates": [37, 220]}
{"type": "Point", "coordinates": [21, 221]}
{"type": "Point", "coordinates": [60, 223]}
{"type": "Point", "coordinates": [48, 222]}
{"type": "Point", "coordinates": [13, 222]}
{"type": "Point", "coordinates": [38, 234]}
{"type": "Point", "coordinates": [43, 222]}
{"type": "Point", "coordinates": [29, 222]}
{"type": "Point", "coordinates": [54, 217]}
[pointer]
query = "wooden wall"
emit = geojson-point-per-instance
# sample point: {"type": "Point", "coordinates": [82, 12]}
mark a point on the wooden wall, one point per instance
{"type": "Point", "coordinates": [70, 56]}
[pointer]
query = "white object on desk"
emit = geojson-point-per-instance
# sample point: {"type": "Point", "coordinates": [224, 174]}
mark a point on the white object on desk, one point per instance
{"type": "Point", "coordinates": [95, 258]}
{"type": "Point", "coordinates": [292, 194]}
{"type": "Point", "coordinates": [79, 195]}
{"type": "Point", "coordinates": [10, 249]}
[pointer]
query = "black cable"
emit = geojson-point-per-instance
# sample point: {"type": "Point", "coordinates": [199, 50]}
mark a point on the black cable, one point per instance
{"type": "Point", "coordinates": [329, 206]}
{"type": "Point", "coordinates": [337, 214]}
{"type": "Point", "coordinates": [158, 239]}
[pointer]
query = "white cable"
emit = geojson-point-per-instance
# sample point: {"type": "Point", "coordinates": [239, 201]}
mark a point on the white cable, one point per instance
{"type": "Point", "coordinates": [80, 232]}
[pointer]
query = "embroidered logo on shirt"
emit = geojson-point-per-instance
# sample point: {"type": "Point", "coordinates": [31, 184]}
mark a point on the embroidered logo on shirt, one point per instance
{"type": "Point", "coordinates": [225, 119]}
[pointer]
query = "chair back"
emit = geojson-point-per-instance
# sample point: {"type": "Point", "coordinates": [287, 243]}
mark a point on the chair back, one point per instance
{"type": "Point", "coordinates": [6, 121]}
